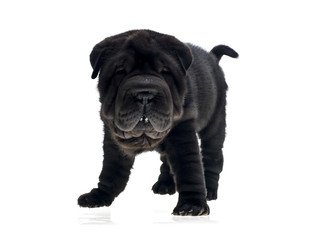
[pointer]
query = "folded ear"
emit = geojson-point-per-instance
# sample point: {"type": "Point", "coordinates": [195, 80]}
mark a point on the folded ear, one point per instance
{"type": "Point", "coordinates": [96, 60]}
{"type": "Point", "coordinates": [180, 50]}
{"type": "Point", "coordinates": [184, 54]}
{"type": "Point", "coordinates": [106, 48]}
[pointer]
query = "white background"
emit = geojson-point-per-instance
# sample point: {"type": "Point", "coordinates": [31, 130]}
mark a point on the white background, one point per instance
{"type": "Point", "coordinates": [51, 134]}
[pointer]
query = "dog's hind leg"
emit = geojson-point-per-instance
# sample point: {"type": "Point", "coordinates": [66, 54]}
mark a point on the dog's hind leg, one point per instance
{"type": "Point", "coordinates": [212, 139]}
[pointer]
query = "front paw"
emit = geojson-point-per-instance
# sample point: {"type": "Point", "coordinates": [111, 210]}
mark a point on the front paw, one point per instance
{"type": "Point", "coordinates": [95, 198]}
{"type": "Point", "coordinates": [191, 204]}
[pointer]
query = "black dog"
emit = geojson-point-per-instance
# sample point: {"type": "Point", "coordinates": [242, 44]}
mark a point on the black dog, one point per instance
{"type": "Point", "coordinates": [158, 93]}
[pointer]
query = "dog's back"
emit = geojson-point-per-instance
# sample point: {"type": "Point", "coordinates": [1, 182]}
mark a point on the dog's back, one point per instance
{"type": "Point", "coordinates": [206, 82]}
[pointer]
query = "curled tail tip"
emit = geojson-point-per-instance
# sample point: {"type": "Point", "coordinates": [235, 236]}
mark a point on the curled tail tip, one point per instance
{"type": "Point", "coordinates": [221, 50]}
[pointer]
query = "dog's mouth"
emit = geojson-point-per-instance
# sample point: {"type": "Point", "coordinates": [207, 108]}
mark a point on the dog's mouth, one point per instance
{"type": "Point", "coordinates": [143, 127]}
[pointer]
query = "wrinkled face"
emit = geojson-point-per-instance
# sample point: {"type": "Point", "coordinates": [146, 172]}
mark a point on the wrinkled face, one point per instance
{"type": "Point", "coordinates": [141, 88]}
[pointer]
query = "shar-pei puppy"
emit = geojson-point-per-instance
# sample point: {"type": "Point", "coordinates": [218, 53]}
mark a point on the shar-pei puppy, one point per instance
{"type": "Point", "coordinates": [158, 93]}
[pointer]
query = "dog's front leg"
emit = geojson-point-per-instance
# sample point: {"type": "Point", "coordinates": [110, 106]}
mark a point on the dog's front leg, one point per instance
{"type": "Point", "coordinates": [181, 146]}
{"type": "Point", "coordinates": [113, 178]}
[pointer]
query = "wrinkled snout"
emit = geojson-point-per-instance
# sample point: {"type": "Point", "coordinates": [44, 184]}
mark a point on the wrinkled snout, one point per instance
{"type": "Point", "coordinates": [143, 103]}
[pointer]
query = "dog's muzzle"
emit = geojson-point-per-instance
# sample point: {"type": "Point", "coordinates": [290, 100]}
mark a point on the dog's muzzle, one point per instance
{"type": "Point", "coordinates": [143, 106]}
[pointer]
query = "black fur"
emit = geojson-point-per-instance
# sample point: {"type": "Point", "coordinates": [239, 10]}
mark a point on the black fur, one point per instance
{"type": "Point", "coordinates": [158, 93]}
{"type": "Point", "coordinates": [221, 50]}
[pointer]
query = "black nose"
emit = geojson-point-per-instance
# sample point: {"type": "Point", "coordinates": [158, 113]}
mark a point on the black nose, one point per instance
{"type": "Point", "coordinates": [145, 97]}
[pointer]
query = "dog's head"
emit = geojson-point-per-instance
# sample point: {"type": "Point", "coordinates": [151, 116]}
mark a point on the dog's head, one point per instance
{"type": "Point", "coordinates": [141, 84]}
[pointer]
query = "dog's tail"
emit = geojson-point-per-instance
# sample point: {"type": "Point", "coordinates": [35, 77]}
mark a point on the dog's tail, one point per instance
{"type": "Point", "coordinates": [221, 50]}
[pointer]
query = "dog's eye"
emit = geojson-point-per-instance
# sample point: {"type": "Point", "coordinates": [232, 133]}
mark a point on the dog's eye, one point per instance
{"type": "Point", "coordinates": [120, 70]}
{"type": "Point", "coordinates": [165, 70]}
